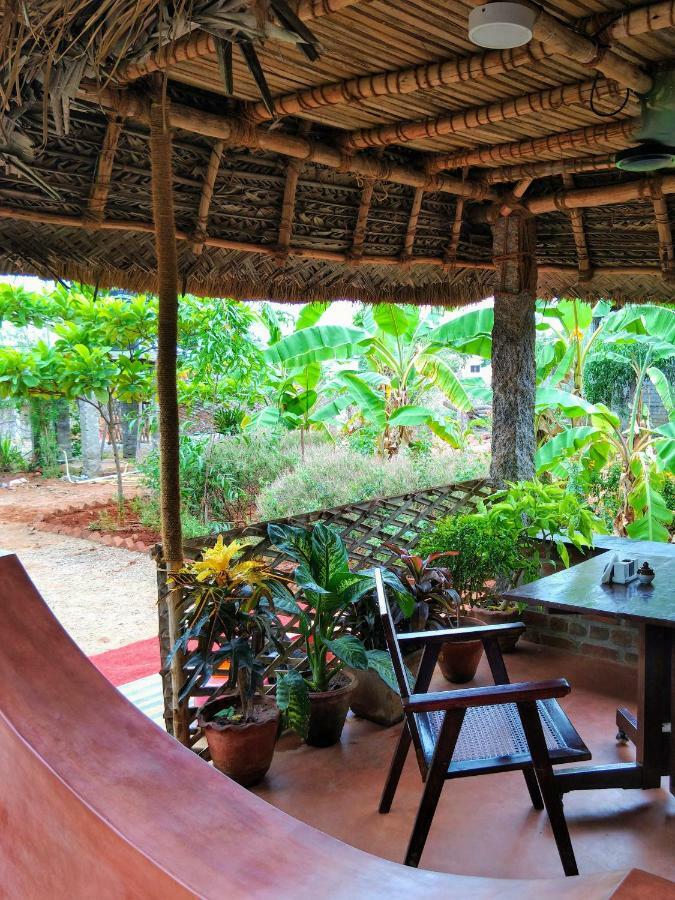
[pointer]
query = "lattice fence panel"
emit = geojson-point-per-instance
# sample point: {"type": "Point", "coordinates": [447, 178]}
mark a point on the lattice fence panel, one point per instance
{"type": "Point", "coordinates": [364, 528]}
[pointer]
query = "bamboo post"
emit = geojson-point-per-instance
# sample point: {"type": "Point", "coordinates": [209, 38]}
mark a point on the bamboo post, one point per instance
{"type": "Point", "coordinates": [362, 220]}
{"type": "Point", "coordinates": [207, 196]}
{"type": "Point", "coordinates": [413, 219]}
{"type": "Point", "coordinates": [579, 233]}
{"type": "Point", "coordinates": [512, 200]}
{"type": "Point", "coordinates": [513, 359]}
{"type": "Point", "coordinates": [167, 281]}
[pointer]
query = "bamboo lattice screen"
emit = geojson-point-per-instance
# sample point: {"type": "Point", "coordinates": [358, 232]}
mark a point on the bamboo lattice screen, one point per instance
{"type": "Point", "coordinates": [364, 528]}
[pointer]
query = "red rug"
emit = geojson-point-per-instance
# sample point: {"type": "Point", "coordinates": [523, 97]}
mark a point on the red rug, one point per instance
{"type": "Point", "coordinates": [129, 663]}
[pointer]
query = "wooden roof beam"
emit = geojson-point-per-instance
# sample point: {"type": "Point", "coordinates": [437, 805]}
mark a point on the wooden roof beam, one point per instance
{"type": "Point", "coordinates": [100, 188]}
{"type": "Point", "coordinates": [240, 133]}
{"type": "Point", "coordinates": [68, 221]}
{"type": "Point", "coordinates": [600, 138]}
{"type": "Point", "coordinates": [579, 234]}
{"type": "Point", "coordinates": [201, 45]}
{"type": "Point", "coordinates": [411, 229]}
{"type": "Point", "coordinates": [606, 195]}
{"type": "Point", "coordinates": [290, 193]}
{"type": "Point", "coordinates": [544, 169]}
{"type": "Point", "coordinates": [207, 196]}
{"type": "Point", "coordinates": [480, 116]}
{"type": "Point", "coordinates": [456, 230]}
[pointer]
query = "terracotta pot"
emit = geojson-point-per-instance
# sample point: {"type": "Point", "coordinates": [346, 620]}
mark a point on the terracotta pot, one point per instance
{"type": "Point", "coordinates": [459, 661]}
{"type": "Point", "coordinates": [243, 752]}
{"type": "Point", "coordinates": [328, 711]}
{"type": "Point", "coordinates": [374, 700]}
{"type": "Point", "coordinates": [503, 617]}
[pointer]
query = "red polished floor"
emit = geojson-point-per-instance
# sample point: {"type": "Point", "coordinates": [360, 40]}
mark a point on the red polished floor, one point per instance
{"type": "Point", "coordinates": [485, 825]}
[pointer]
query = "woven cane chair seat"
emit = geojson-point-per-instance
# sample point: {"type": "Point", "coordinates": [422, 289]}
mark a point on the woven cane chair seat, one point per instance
{"type": "Point", "coordinates": [495, 733]}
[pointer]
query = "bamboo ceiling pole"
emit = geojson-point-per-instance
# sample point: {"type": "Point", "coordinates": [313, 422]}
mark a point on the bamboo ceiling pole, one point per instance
{"type": "Point", "coordinates": [666, 255]}
{"type": "Point", "coordinates": [512, 200]}
{"type": "Point", "coordinates": [563, 41]}
{"type": "Point", "coordinates": [642, 20]}
{"type": "Point", "coordinates": [288, 204]}
{"type": "Point", "coordinates": [207, 196]}
{"type": "Point", "coordinates": [411, 230]}
{"type": "Point", "coordinates": [579, 233]}
{"type": "Point", "coordinates": [239, 133]}
{"type": "Point", "coordinates": [605, 195]}
{"type": "Point", "coordinates": [450, 255]}
{"type": "Point", "coordinates": [402, 81]}
{"type": "Point", "coordinates": [201, 45]}
{"type": "Point", "coordinates": [100, 188]}
{"type": "Point", "coordinates": [167, 394]}
{"type": "Point", "coordinates": [544, 169]}
{"type": "Point", "coordinates": [479, 116]}
{"type": "Point", "coordinates": [362, 219]}
{"type": "Point", "coordinates": [621, 134]}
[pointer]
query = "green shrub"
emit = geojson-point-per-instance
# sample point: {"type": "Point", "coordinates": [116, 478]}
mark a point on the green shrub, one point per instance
{"type": "Point", "coordinates": [487, 550]}
{"type": "Point", "coordinates": [11, 458]}
{"type": "Point", "coordinates": [335, 475]}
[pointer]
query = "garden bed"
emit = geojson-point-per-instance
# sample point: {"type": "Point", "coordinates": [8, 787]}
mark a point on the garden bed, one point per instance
{"type": "Point", "coordinates": [99, 522]}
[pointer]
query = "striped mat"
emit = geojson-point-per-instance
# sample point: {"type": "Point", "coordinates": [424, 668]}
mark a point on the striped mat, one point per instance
{"type": "Point", "coordinates": [146, 695]}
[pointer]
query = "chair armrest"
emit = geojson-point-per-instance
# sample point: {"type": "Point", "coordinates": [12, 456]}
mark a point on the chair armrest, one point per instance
{"type": "Point", "coordinates": [473, 632]}
{"type": "Point", "coordinates": [524, 691]}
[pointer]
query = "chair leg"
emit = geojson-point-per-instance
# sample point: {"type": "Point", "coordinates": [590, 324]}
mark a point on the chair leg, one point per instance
{"type": "Point", "coordinates": [529, 716]}
{"type": "Point", "coordinates": [533, 787]}
{"type": "Point", "coordinates": [395, 769]}
{"type": "Point", "coordinates": [433, 785]}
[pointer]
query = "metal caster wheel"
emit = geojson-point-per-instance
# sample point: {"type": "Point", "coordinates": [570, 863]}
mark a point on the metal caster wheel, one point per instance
{"type": "Point", "coordinates": [621, 737]}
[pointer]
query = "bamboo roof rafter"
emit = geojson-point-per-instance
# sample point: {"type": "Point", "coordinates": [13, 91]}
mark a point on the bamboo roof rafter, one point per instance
{"type": "Point", "coordinates": [362, 219]}
{"type": "Point", "coordinates": [413, 219]}
{"type": "Point", "coordinates": [100, 188]}
{"type": "Point", "coordinates": [207, 196]}
{"type": "Point", "coordinates": [663, 228]}
{"type": "Point", "coordinates": [578, 231]}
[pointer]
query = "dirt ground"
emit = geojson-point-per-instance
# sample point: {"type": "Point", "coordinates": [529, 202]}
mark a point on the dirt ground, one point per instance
{"type": "Point", "coordinates": [105, 597]}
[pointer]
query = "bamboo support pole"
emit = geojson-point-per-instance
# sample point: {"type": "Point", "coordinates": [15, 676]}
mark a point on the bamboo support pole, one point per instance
{"type": "Point", "coordinates": [167, 333]}
{"type": "Point", "coordinates": [642, 20]}
{"type": "Point", "coordinates": [201, 45]}
{"type": "Point", "coordinates": [100, 188]}
{"type": "Point", "coordinates": [605, 195]}
{"type": "Point", "coordinates": [362, 219]}
{"type": "Point", "coordinates": [288, 204]}
{"type": "Point", "coordinates": [479, 116]}
{"type": "Point", "coordinates": [411, 229]}
{"type": "Point", "coordinates": [239, 133]}
{"type": "Point", "coordinates": [512, 201]}
{"type": "Point", "coordinates": [544, 169]}
{"type": "Point", "coordinates": [603, 137]}
{"type": "Point", "coordinates": [563, 41]}
{"type": "Point", "coordinates": [579, 234]}
{"type": "Point", "coordinates": [402, 81]}
{"type": "Point", "coordinates": [207, 196]}
{"type": "Point", "coordinates": [666, 256]}
{"type": "Point", "coordinates": [67, 221]}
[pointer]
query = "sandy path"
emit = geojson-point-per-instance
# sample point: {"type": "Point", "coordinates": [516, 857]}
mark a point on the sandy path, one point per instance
{"type": "Point", "coordinates": [104, 597]}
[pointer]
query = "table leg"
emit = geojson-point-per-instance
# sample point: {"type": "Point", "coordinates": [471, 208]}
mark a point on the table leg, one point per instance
{"type": "Point", "coordinates": [672, 713]}
{"type": "Point", "coordinates": [652, 745]}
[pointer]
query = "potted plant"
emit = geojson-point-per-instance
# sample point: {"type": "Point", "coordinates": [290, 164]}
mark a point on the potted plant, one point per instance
{"type": "Point", "coordinates": [229, 612]}
{"type": "Point", "coordinates": [316, 699]}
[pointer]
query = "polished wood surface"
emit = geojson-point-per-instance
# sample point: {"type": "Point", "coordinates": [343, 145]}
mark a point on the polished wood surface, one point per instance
{"type": "Point", "coordinates": [578, 589]}
{"type": "Point", "coordinates": [97, 801]}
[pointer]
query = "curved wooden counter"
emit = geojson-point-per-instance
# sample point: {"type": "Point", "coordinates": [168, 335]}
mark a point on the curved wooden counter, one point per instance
{"type": "Point", "coordinates": [98, 802]}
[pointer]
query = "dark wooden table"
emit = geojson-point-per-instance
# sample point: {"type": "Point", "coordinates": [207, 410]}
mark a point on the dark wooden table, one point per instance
{"type": "Point", "coordinates": [652, 608]}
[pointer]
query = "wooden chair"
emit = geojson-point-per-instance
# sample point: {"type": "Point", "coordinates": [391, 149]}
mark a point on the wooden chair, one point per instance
{"type": "Point", "coordinates": [479, 730]}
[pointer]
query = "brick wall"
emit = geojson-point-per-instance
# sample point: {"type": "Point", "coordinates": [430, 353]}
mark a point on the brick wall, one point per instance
{"type": "Point", "coordinates": [594, 636]}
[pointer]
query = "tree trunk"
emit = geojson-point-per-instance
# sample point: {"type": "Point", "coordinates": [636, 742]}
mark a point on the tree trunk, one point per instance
{"type": "Point", "coordinates": [513, 360]}
{"type": "Point", "coordinates": [116, 456]}
{"type": "Point", "coordinates": [167, 282]}
{"type": "Point", "coordinates": [129, 423]}
{"type": "Point", "coordinates": [90, 440]}
{"type": "Point", "coordinates": [63, 438]}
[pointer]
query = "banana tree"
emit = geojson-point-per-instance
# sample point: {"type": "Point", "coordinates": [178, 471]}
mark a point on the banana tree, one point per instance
{"type": "Point", "coordinates": [644, 453]}
{"type": "Point", "coordinates": [401, 356]}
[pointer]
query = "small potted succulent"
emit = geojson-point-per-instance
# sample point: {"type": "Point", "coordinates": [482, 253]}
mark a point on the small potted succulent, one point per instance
{"type": "Point", "coordinates": [315, 700]}
{"type": "Point", "coordinates": [229, 612]}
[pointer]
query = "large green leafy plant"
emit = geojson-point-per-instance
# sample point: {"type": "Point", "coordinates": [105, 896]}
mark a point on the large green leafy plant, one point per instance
{"type": "Point", "coordinates": [326, 591]}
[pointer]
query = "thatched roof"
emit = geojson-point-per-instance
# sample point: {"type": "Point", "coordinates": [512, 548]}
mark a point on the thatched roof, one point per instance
{"type": "Point", "coordinates": [378, 177]}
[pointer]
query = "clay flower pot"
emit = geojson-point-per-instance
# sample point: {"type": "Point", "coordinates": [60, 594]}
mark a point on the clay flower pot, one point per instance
{"type": "Point", "coordinates": [459, 661]}
{"type": "Point", "coordinates": [241, 751]}
{"type": "Point", "coordinates": [507, 642]}
{"type": "Point", "coordinates": [374, 700]}
{"type": "Point", "coordinates": [328, 711]}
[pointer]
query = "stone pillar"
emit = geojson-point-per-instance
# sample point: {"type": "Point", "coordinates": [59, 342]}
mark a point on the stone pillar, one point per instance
{"type": "Point", "coordinates": [513, 361]}
{"type": "Point", "coordinates": [91, 440]}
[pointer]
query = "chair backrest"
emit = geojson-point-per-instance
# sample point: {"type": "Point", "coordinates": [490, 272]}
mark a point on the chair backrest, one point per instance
{"type": "Point", "coordinates": [390, 636]}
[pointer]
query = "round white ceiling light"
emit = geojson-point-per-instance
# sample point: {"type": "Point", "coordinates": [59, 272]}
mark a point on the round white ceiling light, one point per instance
{"type": "Point", "coordinates": [501, 26]}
